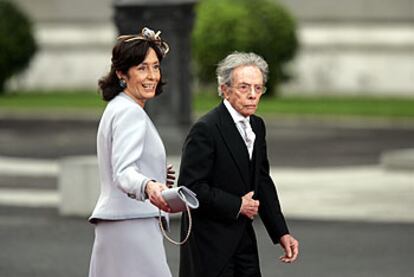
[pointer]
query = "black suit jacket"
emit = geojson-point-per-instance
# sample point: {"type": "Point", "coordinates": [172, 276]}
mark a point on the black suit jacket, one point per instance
{"type": "Point", "coordinates": [216, 166]}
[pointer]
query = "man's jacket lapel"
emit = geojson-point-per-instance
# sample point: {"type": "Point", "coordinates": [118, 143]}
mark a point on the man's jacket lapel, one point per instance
{"type": "Point", "coordinates": [234, 143]}
{"type": "Point", "coordinates": [256, 152]}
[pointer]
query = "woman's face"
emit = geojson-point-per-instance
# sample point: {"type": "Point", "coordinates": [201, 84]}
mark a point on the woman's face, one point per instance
{"type": "Point", "coordinates": [142, 80]}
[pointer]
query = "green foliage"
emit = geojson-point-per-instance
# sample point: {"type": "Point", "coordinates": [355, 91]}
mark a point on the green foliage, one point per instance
{"type": "Point", "coordinates": [77, 102]}
{"type": "Point", "coordinates": [261, 26]}
{"type": "Point", "coordinates": [321, 107]}
{"type": "Point", "coordinates": [44, 100]}
{"type": "Point", "coordinates": [17, 44]}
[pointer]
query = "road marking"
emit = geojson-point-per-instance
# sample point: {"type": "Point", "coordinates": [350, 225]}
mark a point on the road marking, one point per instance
{"type": "Point", "coordinates": [28, 167]}
{"type": "Point", "coordinates": [29, 198]}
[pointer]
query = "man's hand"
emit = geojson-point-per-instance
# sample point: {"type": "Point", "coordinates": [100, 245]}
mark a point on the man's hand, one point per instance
{"type": "Point", "coordinates": [153, 190]}
{"type": "Point", "coordinates": [291, 247]}
{"type": "Point", "coordinates": [170, 175]}
{"type": "Point", "coordinates": [249, 206]}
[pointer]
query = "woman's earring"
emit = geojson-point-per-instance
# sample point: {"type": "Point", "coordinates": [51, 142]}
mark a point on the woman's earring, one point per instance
{"type": "Point", "coordinates": [122, 83]}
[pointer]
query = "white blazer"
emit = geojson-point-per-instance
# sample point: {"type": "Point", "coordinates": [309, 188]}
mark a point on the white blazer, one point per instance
{"type": "Point", "coordinates": [130, 153]}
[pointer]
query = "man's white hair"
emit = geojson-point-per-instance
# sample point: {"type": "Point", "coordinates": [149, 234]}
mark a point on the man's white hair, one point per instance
{"type": "Point", "coordinates": [236, 59]}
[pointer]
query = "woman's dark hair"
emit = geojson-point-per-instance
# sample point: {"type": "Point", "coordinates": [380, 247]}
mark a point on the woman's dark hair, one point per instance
{"type": "Point", "coordinates": [125, 55]}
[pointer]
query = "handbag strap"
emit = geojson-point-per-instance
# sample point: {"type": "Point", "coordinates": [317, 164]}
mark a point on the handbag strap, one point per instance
{"type": "Point", "coordinates": [190, 225]}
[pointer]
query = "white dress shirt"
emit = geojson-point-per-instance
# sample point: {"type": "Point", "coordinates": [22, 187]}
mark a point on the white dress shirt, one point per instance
{"type": "Point", "coordinates": [130, 153]}
{"type": "Point", "coordinates": [246, 132]}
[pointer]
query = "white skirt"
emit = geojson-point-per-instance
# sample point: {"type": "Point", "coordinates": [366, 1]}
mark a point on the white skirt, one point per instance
{"type": "Point", "coordinates": [129, 248]}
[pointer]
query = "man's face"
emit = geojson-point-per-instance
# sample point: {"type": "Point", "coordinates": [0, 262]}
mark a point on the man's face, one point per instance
{"type": "Point", "coordinates": [246, 89]}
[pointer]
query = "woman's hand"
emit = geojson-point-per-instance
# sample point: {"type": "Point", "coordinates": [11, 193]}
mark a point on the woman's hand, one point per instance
{"type": "Point", "coordinates": [170, 176]}
{"type": "Point", "coordinates": [153, 190]}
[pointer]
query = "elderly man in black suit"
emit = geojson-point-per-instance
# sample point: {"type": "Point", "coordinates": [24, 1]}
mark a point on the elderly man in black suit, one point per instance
{"type": "Point", "coordinates": [224, 161]}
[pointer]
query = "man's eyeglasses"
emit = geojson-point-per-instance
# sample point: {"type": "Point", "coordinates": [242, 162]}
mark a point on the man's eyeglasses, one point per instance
{"type": "Point", "coordinates": [244, 88]}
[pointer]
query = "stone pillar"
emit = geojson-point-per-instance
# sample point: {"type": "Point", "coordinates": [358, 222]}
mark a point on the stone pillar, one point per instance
{"type": "Point", "coordinates": [78, 185]}
{"type": "Point", "coordinates": [171, 111]}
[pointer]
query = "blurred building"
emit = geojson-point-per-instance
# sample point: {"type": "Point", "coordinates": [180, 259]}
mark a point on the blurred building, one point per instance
{"type": "Point", "coordinates": [75, 39]}
{"type": "Point", "coordinates": [354, 47]}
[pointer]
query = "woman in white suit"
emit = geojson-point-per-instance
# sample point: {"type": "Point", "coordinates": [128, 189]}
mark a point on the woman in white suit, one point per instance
{"type": "Point", "coordinates": [132, 165]}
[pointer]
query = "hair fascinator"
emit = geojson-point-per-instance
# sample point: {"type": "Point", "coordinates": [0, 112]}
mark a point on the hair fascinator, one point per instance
{"type": "Point", "coordinates": [148, 35]}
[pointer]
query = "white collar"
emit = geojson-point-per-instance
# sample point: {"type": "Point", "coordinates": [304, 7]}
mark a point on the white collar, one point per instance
{"type": "Point", "coordinates": [237, 117]}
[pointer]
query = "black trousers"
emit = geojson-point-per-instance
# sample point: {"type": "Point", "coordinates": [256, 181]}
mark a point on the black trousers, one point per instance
{"type": "Point", "coordinates": [245, 261]}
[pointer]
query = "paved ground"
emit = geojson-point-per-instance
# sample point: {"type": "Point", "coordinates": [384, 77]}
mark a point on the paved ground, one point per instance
{"type": "Point", "coordinates": [352, 217]}
{"type": "Point", "coordinates": [38, 242]}
{"type": "Point", "coordinates": [347, 192]}
{"type": "Point", "coordinates": [292, 143]}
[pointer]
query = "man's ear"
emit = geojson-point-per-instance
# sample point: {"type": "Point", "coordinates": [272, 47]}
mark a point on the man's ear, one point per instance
{"type": "Point", "coordinates": [225, 90]}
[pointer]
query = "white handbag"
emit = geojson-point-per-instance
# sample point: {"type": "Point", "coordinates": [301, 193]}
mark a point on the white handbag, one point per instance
{"type": "Point", "coordinates": [179, 199]}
